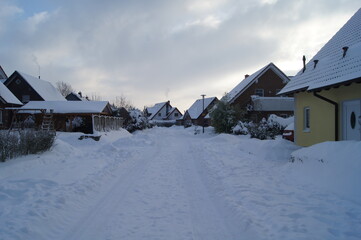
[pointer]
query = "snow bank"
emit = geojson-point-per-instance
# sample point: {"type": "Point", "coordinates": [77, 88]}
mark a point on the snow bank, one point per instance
{"type": "Point", "coordinates": [334, 166]}
{"type": "Point", "coordinates": [318, 198]}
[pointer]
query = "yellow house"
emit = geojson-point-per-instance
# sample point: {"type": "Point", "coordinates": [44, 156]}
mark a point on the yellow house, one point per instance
{"type": "Point", "coordinates": [327, 90]}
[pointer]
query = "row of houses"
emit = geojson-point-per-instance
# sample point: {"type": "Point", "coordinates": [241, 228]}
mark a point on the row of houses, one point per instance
{"type": "Point", "coordinates": [324, 96]}
{"type": "Point", "coordinates": [256, 95]}
{"type": "Point", "coordinates": [25, 99]}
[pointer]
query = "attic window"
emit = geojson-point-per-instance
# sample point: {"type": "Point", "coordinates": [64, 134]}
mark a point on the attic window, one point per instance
{"type": "Point", "coordinates": [259, 92]}
{"type": "Point", "coordinates": [25, 98]}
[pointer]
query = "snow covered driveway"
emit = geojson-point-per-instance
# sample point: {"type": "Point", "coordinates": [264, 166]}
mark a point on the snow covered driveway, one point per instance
{"type": "Point", "coordinates": [169, 184]}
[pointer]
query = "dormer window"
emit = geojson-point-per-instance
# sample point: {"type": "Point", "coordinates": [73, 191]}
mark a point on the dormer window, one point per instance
{"type": "Point", "coordinates": [25, 98]}
{"type": "Point", "coordinates": [259, 92]}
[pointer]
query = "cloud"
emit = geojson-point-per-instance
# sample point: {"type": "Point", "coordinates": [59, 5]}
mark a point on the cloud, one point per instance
{"type": "Point", "coordinates": [148, 50]}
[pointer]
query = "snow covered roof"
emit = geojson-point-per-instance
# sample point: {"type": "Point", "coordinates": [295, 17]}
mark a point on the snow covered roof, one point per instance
{"type": "Point", "coordinates": [197, 107]}
{"type": "Point", "coordinates": [3, 75]}
{"type": "Point", "coordinates": [68, 106]}
{"type": "Point", "coordinates": [272, 103]}
{"type": "Point", "coordinates": [8, 96]}
{"type": "Point", "coordinates": [245, 83]}
{"type": "Point", "coordinates": [155, 109]}
{"type": "Point", "coordinates": [329, 67]}
{"type": "Point", "coordinates": [44, 88]}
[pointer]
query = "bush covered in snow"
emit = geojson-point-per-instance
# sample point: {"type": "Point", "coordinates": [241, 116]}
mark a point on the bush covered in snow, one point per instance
{"type": "Point", "coordinates": [13, 144]}
{"type": "Point", "coordinates": [240, 129]}
{"type": "Point", "coordinates": [224, 116]}
{"type": "Point", "coordinates": [266, 129]}
{"type": "Point", "coordinates": [138, 121]}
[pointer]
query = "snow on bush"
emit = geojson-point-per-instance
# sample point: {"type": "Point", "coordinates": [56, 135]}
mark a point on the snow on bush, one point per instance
{"type": "Point", "coordinates": [284, 122]}
{"type": "Point", "coordinates": [264, 129]}
{"type": "Point", "coordinates": [138, 121]}
{"type": "Point", "coordinates": [14, 144]}
{"type": "Point", "coordinates": [240, 129]}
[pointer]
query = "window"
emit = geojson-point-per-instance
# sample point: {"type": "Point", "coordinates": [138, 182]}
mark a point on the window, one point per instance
{"type": "Point", "coordinates": [306, 119]}
{"type": "Point", "coordinates": [1, 116]}
{"type": "Point", "coordinates": [25, 98]}
{"type": "Point", "coordinates": [259, 92]}
{"type": "Point", "coordinates": [176, 114]}
{"type": "Point", "coordinates": [159, 114]}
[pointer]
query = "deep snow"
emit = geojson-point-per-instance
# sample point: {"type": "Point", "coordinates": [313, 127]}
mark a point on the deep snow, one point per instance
{"type": "Point", "coordinates": [167, 183]}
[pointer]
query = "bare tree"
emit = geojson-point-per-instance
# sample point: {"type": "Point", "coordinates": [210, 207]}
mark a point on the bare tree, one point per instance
{"type": "Point", "coordinates": [95, 97]}
{"type": "Point", "coordinates": [122, 101]}
{"type": "Point", "coordinates": [64, 88]}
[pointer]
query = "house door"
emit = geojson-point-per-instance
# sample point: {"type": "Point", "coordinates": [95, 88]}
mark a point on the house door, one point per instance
{"type": "Point", "coordinates": [352, 120]}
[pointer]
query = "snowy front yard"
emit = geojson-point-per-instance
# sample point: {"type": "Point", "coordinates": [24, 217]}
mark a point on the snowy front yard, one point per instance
{"type": "Point", "coordinates": [167, 183]}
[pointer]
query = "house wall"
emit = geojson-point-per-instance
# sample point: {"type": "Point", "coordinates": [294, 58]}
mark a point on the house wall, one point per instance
{"type": "Point", "coordinates": [22, 88]}
{"type": "Point", "coordinates": [173, 117]}
{"type": "Point", "coordinates": [269, 81]}
{"type": "Point", "coordinates": [162, 112]}
{"type": "Point", "coordinates": [322, 120]}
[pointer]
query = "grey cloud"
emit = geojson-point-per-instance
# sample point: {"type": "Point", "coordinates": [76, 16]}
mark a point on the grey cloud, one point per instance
{"type": "Point", "coordinates": [146, 47]}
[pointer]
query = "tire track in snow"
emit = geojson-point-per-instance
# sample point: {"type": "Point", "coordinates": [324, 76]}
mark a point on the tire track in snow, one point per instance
{"type": "Point", "coordinates": [92, 223]}
{"type": "Point", "coordinates": [212, 218]}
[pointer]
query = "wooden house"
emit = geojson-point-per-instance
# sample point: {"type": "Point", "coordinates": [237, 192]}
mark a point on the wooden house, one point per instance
{"type": "Point", "coordinates": [67, 116]}
{"type": "Point", "coordinates": [163, 112]}
{"type": "Point", "coordinates": [327, 90]}
{"type": "Point", "coordinates": [257, 94]}
{"type": "Point", "coordinates": [197, 114]}
{"type": "Point", "coordinates": [28, 88]}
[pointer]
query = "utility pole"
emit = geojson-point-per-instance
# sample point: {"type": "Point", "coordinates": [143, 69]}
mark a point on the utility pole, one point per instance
{"type": "Point", "coordinates": [203, 95]}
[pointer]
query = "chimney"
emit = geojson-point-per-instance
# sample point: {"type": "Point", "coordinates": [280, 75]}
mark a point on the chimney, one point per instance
{"type": "Point", "coordinates": [167, 107]}
{"type": "Point", "coordinates": [315, 63]}
{"type": "Point", "coordinates": [79, 93]}
{"type": "Point", "coordinates": [246, 76]}
{"type": "Point", "coordinates": [304, 63]}
{"type": "Point", "coordinates": [344, 51]}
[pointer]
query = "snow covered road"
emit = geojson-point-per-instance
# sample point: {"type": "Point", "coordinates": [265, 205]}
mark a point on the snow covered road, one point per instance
{"type": "Point", "coordinates": [160, 196]}
{"type": "Point", "coordinates": [167, 183]}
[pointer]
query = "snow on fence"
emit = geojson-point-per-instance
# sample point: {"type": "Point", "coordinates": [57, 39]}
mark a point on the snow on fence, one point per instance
{"type": "Point", "coordinates": [106, 123]}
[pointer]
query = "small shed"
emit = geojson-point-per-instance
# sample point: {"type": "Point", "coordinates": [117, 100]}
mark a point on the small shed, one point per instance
{"type": "Point", "coordinates": [82, 116]}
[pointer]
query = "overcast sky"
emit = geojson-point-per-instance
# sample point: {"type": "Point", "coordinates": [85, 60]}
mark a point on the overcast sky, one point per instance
{"type": "Point", "coordinates": [156, 50]}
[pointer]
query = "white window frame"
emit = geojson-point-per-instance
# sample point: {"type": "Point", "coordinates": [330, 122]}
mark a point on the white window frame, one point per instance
{"type": "Point", "coordinates": [306, 119]}
{"type": "Point", "coordinates": [259, 90]}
